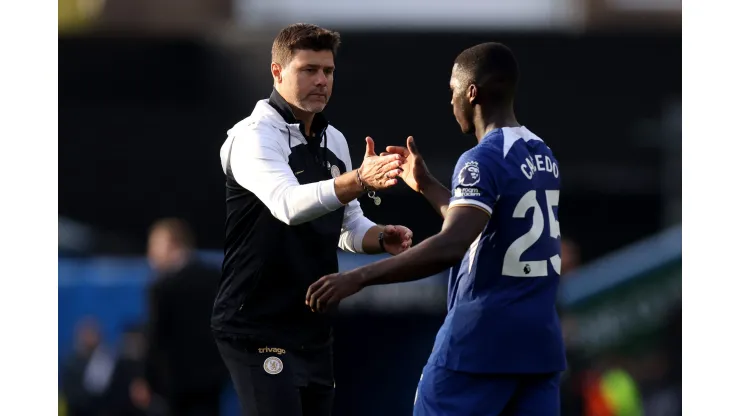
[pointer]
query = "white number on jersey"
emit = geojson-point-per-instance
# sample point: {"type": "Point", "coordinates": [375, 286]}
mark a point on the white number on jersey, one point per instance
{"type": "Point", "coordinates": [538, 268]}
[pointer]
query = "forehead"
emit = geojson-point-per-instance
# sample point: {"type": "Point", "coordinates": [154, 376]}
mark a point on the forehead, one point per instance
{"type": "Point", "coordinates": [455, 77]}
{"type": "Point", "coordinates": [303, 57]}
{"type": "Point", "coordinates": [159, 234]}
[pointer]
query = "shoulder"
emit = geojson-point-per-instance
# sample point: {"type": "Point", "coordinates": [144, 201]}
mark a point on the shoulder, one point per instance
{"type": "Point", "coordinates": [257, 129]}
{"type": "Point", "coordinates": [263, 125]}
{"type": "Point", "coordinates": [484, 156]}
{"type": "Point", "coordinates": [253, 136]}
{"type": "Point", "coordinates": [518, 141]}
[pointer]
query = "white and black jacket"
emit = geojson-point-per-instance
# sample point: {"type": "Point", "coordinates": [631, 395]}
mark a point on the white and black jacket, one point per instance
{"type": "Point", "coordinates": [284, 224]}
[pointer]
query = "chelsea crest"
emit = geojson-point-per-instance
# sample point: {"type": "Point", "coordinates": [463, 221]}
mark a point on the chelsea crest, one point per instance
{"type": "Point", "coordinates": [273, 365]}
{"type": "Point", "coordinates": [335, 172]}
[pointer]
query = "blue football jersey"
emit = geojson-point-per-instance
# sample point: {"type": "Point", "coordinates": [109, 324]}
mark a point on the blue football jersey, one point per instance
{"type": "Point", "coordinates": [501, 315]}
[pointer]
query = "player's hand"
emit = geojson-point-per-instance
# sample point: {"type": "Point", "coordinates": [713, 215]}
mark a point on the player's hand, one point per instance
{"type": "Point", "coordinates": [396, 239]}
{"type": "Point", "coordinates": [379, 172]}
{"type": "Point", "coordinates": [326, 292]}
{"type": "Point", "coordinates": [413, 169]}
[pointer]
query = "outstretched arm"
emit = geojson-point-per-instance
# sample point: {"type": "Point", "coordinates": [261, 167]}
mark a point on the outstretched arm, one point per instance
{"type": "Point", "coordinates": [258, 164]}
{"type": "Point", "coordinates": [462, 225]}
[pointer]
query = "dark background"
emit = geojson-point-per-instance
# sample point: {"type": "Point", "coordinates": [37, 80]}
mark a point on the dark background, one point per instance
{"type": "Point", "coordinates": [141, 122]}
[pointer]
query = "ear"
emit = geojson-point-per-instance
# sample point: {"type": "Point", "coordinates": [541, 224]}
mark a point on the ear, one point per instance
{"type": "Point", "coordinates": [277, 72]}
{"type": "Point", "coordinates": [472, 93]}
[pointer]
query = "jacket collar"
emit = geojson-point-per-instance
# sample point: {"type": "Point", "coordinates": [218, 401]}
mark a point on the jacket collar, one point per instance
{"type": "Point", "coordinates": [320, 123]}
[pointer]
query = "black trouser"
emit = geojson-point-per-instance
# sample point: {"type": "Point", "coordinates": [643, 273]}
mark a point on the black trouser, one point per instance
{"type": "Point", "coordinates": [271, 380]}
{"type": "Point", "coordinates": [197, 403]}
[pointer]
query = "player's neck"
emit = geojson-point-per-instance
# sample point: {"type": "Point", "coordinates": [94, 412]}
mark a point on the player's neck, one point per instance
{"type": "Point", "coordinates": [485, 122]}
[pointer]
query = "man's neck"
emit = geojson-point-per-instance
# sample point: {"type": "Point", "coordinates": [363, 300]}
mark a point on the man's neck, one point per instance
{"type": "Point", "coordinates": [304, 117]}
{"type": "Point", "coordinates": [497, 118]}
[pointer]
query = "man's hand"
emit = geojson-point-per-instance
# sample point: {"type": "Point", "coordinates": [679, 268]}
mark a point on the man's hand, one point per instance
{"type": "Point", "coordinates": [326, 292]}
{"type": "Point", "coordinates": [396, 239]}
{"type": "Point", "coordinates": [379, 172]}
{"type": "Point", "coordinates": [413, 169]}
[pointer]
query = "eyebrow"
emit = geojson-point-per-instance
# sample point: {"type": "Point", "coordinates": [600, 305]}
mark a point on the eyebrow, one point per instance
{"type": "Point", "coordinates": [317, 66]}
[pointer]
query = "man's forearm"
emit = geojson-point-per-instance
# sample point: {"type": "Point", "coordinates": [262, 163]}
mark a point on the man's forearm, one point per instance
{"type": "Point", "coordinates": [432, 256]}
{"type": "Point", "coordinates": [370, 241]}
{"type": "Point", "coordinates": [347, 187]}
{"type": "Point", "coordinates": [437, 194]}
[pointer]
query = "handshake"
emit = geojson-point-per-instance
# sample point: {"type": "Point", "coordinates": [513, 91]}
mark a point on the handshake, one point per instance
{"type": "Point", "coordinates": [382, 171]}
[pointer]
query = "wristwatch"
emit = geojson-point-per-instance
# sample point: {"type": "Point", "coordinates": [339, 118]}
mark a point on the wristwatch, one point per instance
{"type": "Point", "coordinates": [381, 243]}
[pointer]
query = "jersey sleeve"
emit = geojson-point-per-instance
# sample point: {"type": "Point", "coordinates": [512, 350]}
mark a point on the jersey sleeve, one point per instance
{"type": "Point", "coordinates": [473, 182]}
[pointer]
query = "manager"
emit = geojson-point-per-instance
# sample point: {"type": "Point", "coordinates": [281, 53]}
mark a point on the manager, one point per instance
{"type": "Point", "coordinates": [291, 200]}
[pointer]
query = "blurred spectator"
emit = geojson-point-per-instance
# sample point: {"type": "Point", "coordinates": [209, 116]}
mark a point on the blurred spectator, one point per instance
{"type": "Point", "coordinates": [621, 392]}
{"type": "Point", "coordinates": [128, 395]}
{"type": "Point", "coordinates": [86, 373]}
{"type": "Point", "coordinates": [609, 389]}
{"type": "Point", "coordinates": [182, 362]}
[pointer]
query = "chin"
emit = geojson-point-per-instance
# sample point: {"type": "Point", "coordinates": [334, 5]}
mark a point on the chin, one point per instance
{"type": "Point", "coordinates": [313, 107]}
{"type": "Point", "coordinates": [466, 129]}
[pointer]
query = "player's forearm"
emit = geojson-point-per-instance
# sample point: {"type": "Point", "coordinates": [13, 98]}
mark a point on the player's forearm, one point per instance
{"type": "Point", "coordinates": [371, 242]}
{"type": "Point", "coordinates": [347, 187]}
{"type": "Point", "coordinates": [432, 256]}
{"type": "Point", "coordinates": [436, 193]}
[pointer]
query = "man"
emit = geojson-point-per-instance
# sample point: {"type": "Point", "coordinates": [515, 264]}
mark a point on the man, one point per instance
{"type": "Point", "coordinates": [500, 349]}
{"type": "Point", "coordinates": [291, 200]}
{"type": "Point", "coordinates": [182, 362]}
{"type": "Point", "coordinates": [87, 372]}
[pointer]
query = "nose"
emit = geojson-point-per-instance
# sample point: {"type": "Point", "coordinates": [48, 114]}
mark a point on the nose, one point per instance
{"type": "Point", "coordinates": [321, 79]}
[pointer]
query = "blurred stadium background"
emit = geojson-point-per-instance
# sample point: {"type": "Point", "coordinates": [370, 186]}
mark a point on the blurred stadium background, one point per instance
{"type": "Point", "coordinates": [148, 88]}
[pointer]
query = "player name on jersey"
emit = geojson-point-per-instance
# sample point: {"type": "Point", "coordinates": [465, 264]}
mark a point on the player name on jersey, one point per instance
{"type": "Point", "coordinates": [539, 164]}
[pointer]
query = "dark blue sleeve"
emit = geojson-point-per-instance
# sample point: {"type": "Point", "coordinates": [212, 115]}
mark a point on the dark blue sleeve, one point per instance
{"type": "Point", "coordinates": [473, 181]}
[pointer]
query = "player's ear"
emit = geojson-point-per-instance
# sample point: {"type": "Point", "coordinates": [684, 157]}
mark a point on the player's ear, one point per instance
{"type": "Point", "coordinates": [277, 72]}
{"type": "Point", "coordinates": [472, 93]}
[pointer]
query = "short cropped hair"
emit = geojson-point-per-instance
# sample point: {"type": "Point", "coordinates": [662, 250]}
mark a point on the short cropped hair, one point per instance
{"type": "Point", "coordinates": [303, 36]}
{"type": "Point", "coordinates": [178, 229]}
{"type": "Point", "coordinates": [491, 66]}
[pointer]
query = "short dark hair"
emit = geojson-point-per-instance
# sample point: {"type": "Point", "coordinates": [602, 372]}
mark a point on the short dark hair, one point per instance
{"type": "Point", "coordinates": [303, 36]}
{"type": "Point", "coordinates": [179, 230]}
{"type": "Point", "coordinates": [492, 67]}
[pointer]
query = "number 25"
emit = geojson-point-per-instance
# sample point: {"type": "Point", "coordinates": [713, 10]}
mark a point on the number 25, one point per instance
{"type": "Point", "coordinates": [538, 268]}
